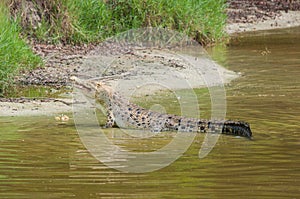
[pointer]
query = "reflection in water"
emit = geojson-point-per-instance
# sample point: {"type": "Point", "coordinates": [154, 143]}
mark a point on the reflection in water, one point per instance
{"type": "Point", "coordinates": [41, 159]}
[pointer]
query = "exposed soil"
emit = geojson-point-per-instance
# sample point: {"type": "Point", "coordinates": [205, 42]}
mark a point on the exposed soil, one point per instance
{"type": "Point", "coordinates": [253, 15]}
{"type": "Point", "coordinates": [61, 61]}
{"type": "Point", "coordinates": [251, 11]}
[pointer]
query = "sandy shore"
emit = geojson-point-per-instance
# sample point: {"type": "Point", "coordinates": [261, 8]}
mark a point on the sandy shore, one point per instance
{"type": "Point", "coordinates": [34, 108]}
{"type": "Point", "coordinates": [138, 73]}
{"type": "Point", "coordinates": [284, 20]}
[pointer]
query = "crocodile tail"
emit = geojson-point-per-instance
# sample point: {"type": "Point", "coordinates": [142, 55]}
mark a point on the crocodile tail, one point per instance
{"type": "Point", "coordinates": [238, 128]}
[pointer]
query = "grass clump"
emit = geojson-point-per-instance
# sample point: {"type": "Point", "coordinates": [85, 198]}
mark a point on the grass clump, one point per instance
{"type": "Point", "coordinates": [202, 20]}
{"type": "Point", "coordinates": [77, 21]}
{"type": "Point", "coordinates": [92, 20]}
{"type": "Point", "coordinates": [14, 52]}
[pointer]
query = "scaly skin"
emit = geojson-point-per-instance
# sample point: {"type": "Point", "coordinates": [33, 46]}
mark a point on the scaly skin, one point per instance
{"type": "Point", "coordinates": [125, 114]}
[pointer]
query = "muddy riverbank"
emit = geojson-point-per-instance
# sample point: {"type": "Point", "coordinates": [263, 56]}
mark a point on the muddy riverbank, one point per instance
{"type": "Point", "coordinates": [135, 72]}
{"type": "Point", "coordinates": [245, 15]}
{"type": "Point", "coordinates": [281, 20]}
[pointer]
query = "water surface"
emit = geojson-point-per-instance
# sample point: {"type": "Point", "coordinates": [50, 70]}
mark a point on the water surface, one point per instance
{"type": "Point", "coordinates": [41, 158]}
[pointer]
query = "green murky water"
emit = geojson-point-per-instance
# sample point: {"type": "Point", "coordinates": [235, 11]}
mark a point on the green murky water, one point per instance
{"type": "Point", "coordinates": [40, 158]}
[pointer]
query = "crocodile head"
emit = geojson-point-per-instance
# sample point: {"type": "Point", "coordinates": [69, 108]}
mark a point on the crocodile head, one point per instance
{"type": "Point", "coordinates": [91, 88]}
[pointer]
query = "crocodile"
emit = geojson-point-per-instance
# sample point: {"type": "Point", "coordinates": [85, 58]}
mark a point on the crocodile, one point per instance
{"type": "Point", "coordinates": [124, 114]}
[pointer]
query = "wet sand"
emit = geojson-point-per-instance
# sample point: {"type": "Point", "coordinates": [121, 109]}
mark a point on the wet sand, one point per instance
{"type": "Point", "coordinates": [284, 20]}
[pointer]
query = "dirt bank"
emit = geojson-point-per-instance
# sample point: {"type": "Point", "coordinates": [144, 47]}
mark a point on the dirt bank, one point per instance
{"type": "Point", "coordinates": [135, 72]}
{"type": "Point", "coordinates": [284, 20]}
{"type": "Point", "coordinates": [34, 107]}
{"type": "Point", "coordinates": [254, 15]}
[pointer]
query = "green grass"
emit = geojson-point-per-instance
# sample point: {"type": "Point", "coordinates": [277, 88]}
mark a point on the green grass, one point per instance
{"type": "Point", "coordinates": [15, 55]}
{"type": "Point", "coordinates": [77, 21]}
{"type": "Point", "coordinates": [91, 21]}
{"type": "Point", "coordinates": [203, 20]}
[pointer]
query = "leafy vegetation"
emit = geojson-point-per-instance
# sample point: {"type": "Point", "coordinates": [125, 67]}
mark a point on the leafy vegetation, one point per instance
{"type": "Point", "coordinates": [77, 21]}
{"type": "Point", "coordinates": [14, 52]}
